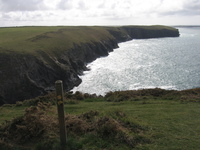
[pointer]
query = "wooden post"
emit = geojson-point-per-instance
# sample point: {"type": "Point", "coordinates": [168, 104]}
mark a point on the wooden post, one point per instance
{"type": "Point", "coordinates": [61, 115]}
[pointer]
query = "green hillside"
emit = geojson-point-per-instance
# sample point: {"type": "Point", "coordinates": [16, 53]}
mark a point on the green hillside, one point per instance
{"type": "Point", "coordinates": [48, 39]}
{"type": "Point", "coordinates": [33, 39]}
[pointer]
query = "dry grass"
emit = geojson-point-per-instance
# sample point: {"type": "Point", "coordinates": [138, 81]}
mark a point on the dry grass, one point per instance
{"type": "Point", "coordinates": [37, 125]}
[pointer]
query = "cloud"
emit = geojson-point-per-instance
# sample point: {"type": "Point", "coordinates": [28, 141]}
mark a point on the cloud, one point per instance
{"type": "Point", "coordinates": [65, 4]}
{"type": "Point", "coordinates": [179, 7]}
{"type": "Point", "coordinates": [21, 5]}
{"type": "Point", "coordinates": [192, 7]}
{"type": "Point", "coordinates": [83, 12]}
{"type": "Point", "coordinates": [82, 5]}
{"type": "Point", "coordinates": [72, 4]}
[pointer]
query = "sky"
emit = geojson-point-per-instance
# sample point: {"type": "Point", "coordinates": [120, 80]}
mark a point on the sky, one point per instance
{"type": "Point", "coordinates": [99, 12]}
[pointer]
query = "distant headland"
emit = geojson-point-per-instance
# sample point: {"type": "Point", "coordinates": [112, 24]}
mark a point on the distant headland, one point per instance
{"type": "Point", "coordinates": [33, 58]}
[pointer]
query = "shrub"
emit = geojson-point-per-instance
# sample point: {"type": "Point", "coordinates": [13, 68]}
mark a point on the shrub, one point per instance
{"type": "Point", "coordinates": [76, 126]}
{"type": "Point", "coordinates": [42, 129]}
{"type": "Point", "coordinates": [136, 95]}
{"type": "Point", "coordinates": [80, 96]}
{"type": "Point", "coordinates": [49, 98]}
{"type": "Point", "coordinates": [71, 101]}
{"type": "Point", "coordinates": [7, 105]}
{"type": "Point", "coordinates": [192, 95]}
{"type": "Point", "coordinates": [35, 124]}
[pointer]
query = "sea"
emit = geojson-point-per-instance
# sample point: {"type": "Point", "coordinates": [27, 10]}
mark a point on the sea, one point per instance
{"type": "Point", "coordinates": [167, 63]}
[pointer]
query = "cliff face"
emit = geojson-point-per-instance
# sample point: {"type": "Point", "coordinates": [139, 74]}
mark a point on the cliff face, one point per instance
{"type": "Point", "coordinates": [24, 76]}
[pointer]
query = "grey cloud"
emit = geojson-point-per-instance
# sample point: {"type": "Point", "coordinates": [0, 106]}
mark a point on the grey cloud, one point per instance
{"type": "Point", "coordinates": [190, 7]}
{"type": "Point", "coordinates": [102, 5]}
{"type": "Point", "coordinates": [82, 5]}
{"type": "Point", "coordinates": [70, 4]}
{"type": "Point", "coordinates": [21, 5]}
{"type": "Point", "coordinates": [65, 4]}
{"type": "Point", "coordinates": [5, 16]}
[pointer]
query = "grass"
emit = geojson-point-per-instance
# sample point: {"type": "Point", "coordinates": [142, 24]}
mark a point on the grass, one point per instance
{"type": "Point", "coordinates": [7, 112]}
{"type": "Point", "coordinates": [156, 27]}
{"type": "Point", "coordinates": [33, 39]}
{"type": "Point", "coordinates": [56, 39]}
{"type": "Point", "coordinates": [16, 38]}
{"type": "Point", "coordinates": [174, 125]}
{"type": "Point", "coordinates": [157, 119]}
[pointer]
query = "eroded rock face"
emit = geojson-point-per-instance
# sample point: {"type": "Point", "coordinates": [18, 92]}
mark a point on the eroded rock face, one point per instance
{"type": "Point", "coordinates": [24, 76]}
{"type": "Point", "coordinates": [28, 76]}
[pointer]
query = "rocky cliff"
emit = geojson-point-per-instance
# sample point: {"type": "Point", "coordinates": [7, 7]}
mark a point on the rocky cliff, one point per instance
{"type": "Point", "coordinates": [25, 74]}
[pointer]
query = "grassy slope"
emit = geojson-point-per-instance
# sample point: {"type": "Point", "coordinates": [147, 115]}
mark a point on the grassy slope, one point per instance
{"type": "Point", "coordinates": [32, 39]}
{"type": "Point", "coordinates": [173, 125]}
{"type": "Point", "coordinates": [16, 39]}
{"type": "Point", "coordinates": [172, 122]}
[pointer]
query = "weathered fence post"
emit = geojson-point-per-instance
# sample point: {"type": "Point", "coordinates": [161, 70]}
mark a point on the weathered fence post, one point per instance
{"type": "Point", "coordinates": [60, 107]}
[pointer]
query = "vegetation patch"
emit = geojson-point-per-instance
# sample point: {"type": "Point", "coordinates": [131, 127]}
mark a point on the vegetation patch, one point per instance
{"type": "Point", "coordinates": [144, 119]}
{"type": "Point", "coordinates": [49, 98]}
{"type": "Point", "coordinates": [80, 96]}
{"type": "Point", "coordinates": [35, 124]}
{"type": "Point", "coordinates": [192, 95]}
{"type": "Point", "coordinates": [38, 125]}
{"type": "Point", "coordinates": [60, 38]}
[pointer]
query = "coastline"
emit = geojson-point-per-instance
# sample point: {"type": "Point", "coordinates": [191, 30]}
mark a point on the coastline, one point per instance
{"type": "Point", "coordinates": [62, 55]}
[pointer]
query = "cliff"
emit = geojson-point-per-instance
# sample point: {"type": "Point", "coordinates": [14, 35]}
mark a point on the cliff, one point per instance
{"type": "Point", "coordinates": [33, 58]}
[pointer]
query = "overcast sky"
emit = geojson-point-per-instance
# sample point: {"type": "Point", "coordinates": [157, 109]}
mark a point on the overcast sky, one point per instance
{"type": "Point", "coordinates": [99, 12]}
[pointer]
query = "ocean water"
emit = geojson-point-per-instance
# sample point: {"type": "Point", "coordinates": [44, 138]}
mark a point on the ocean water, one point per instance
{"type": "Point", "coordinates": [167, 63]}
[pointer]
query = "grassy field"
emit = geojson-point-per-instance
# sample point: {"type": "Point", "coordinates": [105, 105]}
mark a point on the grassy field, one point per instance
{"type": "Point", "coordinates": [33, 39]}
{"type": "Point", "coordinates": [145, 120]}
{"type": "Point", "coordinates": [172, 125]}
{"type": "Point", "coordinates": [56, 38]}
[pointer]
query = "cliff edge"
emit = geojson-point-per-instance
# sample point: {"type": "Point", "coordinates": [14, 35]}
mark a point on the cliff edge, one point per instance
{"type": "Point", "coordinates": [33, 58]}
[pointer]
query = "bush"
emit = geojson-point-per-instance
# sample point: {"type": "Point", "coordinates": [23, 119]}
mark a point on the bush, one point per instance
{"type": "Point", "coordinates": [80, 96]}
{"type": "Point", "coordinates": [71, 101]}
{"type": "Point", "coordinates": [136, 95]}
{"type": "Point", "coordinates": [34, 125]}
{"type": "Point", "coordinates": [49, 98]}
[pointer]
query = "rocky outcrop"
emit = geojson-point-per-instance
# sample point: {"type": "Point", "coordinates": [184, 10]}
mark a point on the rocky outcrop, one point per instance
{"type": "Point", "coordinates": [24, 76]}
